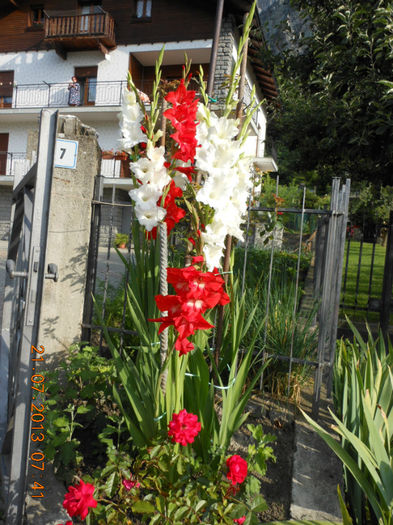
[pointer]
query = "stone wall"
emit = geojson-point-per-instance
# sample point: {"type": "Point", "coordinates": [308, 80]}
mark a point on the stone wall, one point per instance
{"type": "Point", "coordinates": [68, 238]}
{"type": "Point", "coordinates": [224, 57]}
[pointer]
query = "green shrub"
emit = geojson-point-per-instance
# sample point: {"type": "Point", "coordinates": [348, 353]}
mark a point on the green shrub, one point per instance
{"type": "Point", "coordinates": [363, 394]}
{"type": "Point", "coordinates": [258, 262]}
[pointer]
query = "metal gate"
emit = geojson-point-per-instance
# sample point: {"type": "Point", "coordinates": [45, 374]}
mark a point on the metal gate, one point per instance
{"type": "Point", "coordinates": [21, 357]}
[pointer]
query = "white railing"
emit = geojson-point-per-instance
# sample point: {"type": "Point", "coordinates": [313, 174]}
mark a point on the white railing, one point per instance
{"type": "Point", "coordinates": [56, 95]}
{"type": "Point", "coordinates": [14, 164]}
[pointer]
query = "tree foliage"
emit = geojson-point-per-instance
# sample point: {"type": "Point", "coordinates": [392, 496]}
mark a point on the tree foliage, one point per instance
{"type": "Point", "coordinates": [336, 85]}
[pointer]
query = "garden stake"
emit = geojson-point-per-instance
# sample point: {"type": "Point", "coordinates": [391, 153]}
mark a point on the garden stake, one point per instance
{"type": "Point", "coordinates": [269, 284]}
{"type": "Point", "coordinates": [162, 229]}
{"type": "Point", "coordinates": [296, 292]}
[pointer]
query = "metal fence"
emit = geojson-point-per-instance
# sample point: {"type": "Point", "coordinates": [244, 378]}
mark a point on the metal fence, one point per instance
{"type": "Point", "coordinates": [14, 164]}
{"type": "Point", "coordinates": [314, 300]}
{"type": "Point", "coordinates": [367, 280]}
{"type": "Point", "coordinates": [56, 95]}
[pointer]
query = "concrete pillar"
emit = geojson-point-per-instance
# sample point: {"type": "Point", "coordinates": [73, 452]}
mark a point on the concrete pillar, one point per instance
{"type": "Point", "coordinates": [68, 238]}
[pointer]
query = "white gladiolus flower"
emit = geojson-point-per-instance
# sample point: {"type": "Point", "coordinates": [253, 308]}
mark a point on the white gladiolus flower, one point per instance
{"type": "Point", "coordinates": [131, 117]}
{"type": "Point", "coordinates": [160, 178]}
{"type": "Point", "coordinates": [203, 114]}
{"type": "Point", "coordinates": [145, 197]}
{"type": "Point", "coordinates": [213, 255]}
{"type": "Point", "coordinates": [143, 169]}
{"type": "Point", "coordinates": [150, 218]}
{"type": "Point", "coordinates": [227, 180]}
{"type": "Point", "coordinates": [156, 155]}
{"type": "Point", "coordinates": [153, 175]}
{"type": "Point", "coordinates": [223, 128]}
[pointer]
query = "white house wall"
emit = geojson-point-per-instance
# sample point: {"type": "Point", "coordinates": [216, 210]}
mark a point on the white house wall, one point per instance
{"type": "Point", "coordinates": [18, 133]}
{"type": "Point", "coordinates": [38, 67]}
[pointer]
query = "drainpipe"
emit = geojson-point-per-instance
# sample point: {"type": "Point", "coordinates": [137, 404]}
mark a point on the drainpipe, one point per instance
{"type": "Point", "coordinates": [213, 55]}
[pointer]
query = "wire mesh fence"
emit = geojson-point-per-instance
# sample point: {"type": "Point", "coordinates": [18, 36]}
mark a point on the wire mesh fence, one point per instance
{"type": "Point", "coordinates": [289, 266]}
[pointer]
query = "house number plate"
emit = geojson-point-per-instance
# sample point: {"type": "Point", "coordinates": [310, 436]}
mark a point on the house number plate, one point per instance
{"type": "Point", "coordinates": [66, 153]}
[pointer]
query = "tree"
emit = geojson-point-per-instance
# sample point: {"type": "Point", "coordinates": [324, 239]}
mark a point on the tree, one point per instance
{"type": "Point", "coordinates": [335, 115]}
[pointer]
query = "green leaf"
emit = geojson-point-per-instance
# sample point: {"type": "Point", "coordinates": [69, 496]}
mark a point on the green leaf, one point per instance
{"type": "Point", "coordinates": [84, 409]}
{"type": "Point", "coordinates": [347, 520]}
{"type": "Point", "coordinates": [143, 507]}
{"type": "Point", "coordinates": [180, 513]}
{"type": "Point", "coordinates": [112, 485]}
{"type": "Point", "coordinates": [199, 506]}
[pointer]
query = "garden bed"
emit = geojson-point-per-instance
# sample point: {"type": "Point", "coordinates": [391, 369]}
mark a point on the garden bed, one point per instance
{"type": "Point", "coordinates": [276, 484]}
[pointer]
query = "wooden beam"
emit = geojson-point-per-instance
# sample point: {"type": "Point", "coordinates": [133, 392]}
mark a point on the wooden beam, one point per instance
{"type": "Point", "coordinates": [60, 51]}
{"type": "Point", "coordinates": [104, 50]}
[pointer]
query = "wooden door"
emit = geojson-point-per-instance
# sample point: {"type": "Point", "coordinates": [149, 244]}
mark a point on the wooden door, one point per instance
{"type": "Point", "coordinates": [3, 152]}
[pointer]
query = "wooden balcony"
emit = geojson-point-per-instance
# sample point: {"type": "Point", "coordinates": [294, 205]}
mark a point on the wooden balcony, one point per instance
{"type": "Point", "coordinates": [75, 32]}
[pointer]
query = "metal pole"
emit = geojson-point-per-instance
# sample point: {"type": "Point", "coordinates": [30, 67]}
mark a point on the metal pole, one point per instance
{"type": "Point", "coordinates": [269, 286]}
{"type": "Point", "coordinates": [296, 292]}
{"type": "Point", "coordinates": [92, 257]}
{"type": "Point", "coordinates": [325, 310]}
{"type": "Point", "coordinates": [387, 281]}
{"type": "Point", "coordinates": [214, 51]}
{"type": "Point", "coordinates": [338, 272]}
{"type": "Point", "coordinates": [31, 317]}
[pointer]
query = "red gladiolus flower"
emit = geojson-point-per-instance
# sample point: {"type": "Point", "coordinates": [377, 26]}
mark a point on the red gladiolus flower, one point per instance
{"type": "Point", "coordinates": [78, 500]}
{"type": "Point", "coordinates": [181, 95]}
{"type": "Point", "coordinates": [196, 292]}
{"type": "Point", "coordinates": [183, 346]}
{"type": "Point", "coordinates": [197, 259]}
{"type": "Point", "coordinates": [173, 212]}
{"type": "Point", "coordinates": [184, 427]}
{"type": "Point", "coordinates": [182, 115]}
{"type": "Point", "coordinates": [240, 521]}
{"type": "Point", "coordinates": [237, 469]}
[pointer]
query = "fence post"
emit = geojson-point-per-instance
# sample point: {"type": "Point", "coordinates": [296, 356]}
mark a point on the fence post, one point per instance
{"type": "Point", "coordinates": [92, 257]}
{"type": "Point", "coordinates": [325, 309]}
{"type": "Point", "coordinates": [387, 282]}
{"type": "Point", "coordinates": [320, 248]}
{"type": "Point", "coordinates": [342, 220]}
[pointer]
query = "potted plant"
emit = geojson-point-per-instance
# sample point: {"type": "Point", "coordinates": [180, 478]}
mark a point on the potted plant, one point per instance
{"type": "Point", "coordinates": [121, 240]}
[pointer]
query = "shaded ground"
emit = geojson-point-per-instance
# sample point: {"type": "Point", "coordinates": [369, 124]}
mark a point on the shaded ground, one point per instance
{"type": "Point", "coordinates": [276, 484]}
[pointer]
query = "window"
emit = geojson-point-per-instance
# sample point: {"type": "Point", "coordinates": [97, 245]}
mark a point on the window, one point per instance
{"type": "Point", "coordinates": [36, 15]}
{"type": "Point", "coordinates": [6, 88]}
{"type": "Point", "coordinates": [143, 8]}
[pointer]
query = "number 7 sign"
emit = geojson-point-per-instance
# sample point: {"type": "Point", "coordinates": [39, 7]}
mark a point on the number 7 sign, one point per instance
{"type": "Point", "coordinates": [66, 153]}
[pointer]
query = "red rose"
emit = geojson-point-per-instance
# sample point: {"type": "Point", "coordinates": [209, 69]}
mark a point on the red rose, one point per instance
{"type": "Point", "coordinates": [237, 469]}
{"type": "Point", "coordinates": [78, 500]}
{"type": "Point", "coordinates": [129, 484]}
{"type": "Point", "coordinates": [184, 427]}
{"type": "Point", "coordinates": [240, 521]}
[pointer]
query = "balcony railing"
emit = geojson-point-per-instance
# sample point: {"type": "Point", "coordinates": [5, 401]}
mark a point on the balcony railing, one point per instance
{"type": "Point", "coordinates": [56, 95]}
{"type": "Point", "coordinates": [14, 164]}
{"type": "Point", "coordinates": [75, 25]}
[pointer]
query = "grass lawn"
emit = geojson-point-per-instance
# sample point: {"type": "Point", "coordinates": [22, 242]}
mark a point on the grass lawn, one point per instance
{"type": "Point", "coordinates": [360, 297]}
